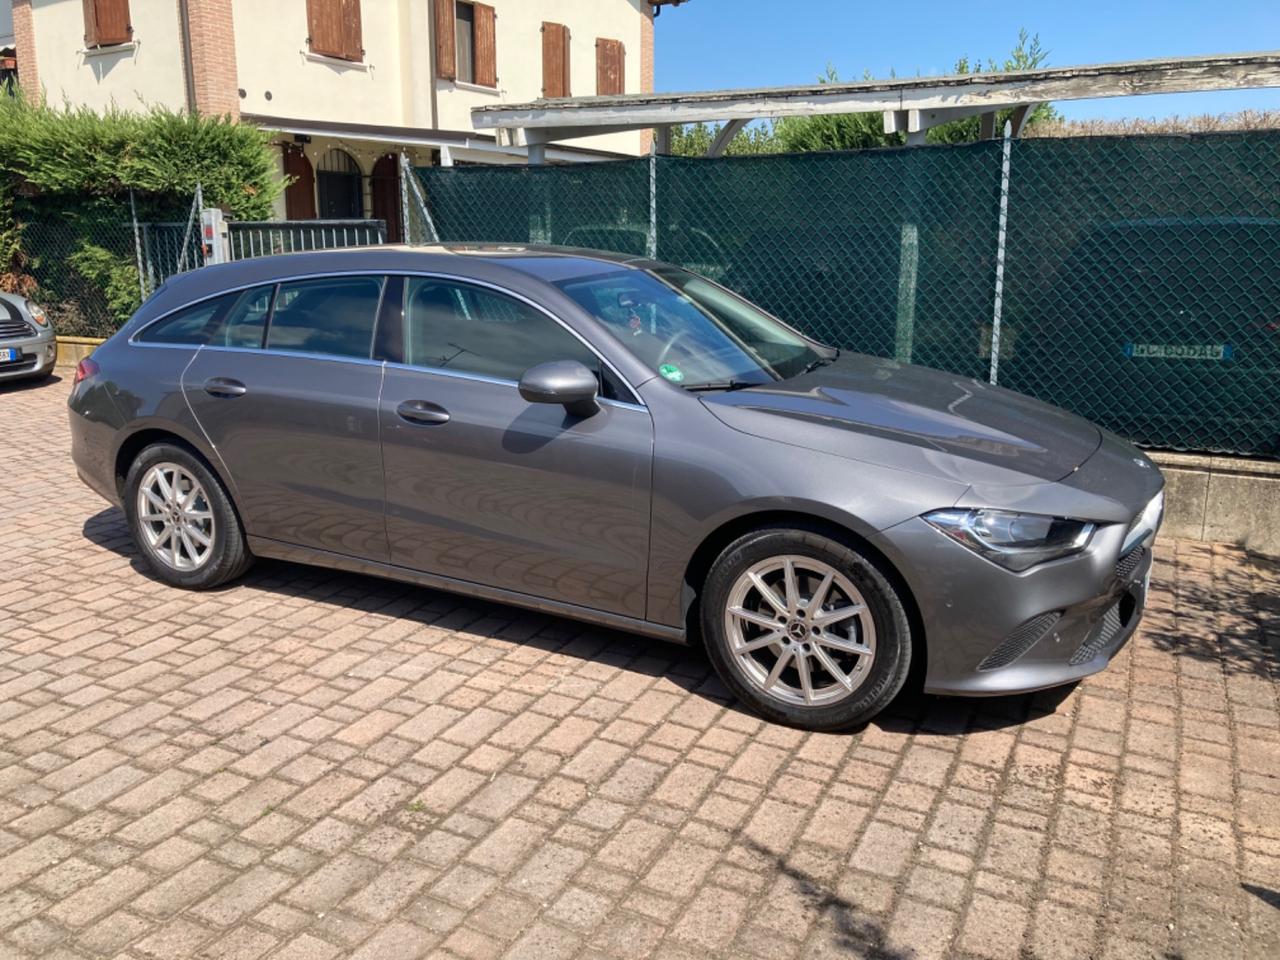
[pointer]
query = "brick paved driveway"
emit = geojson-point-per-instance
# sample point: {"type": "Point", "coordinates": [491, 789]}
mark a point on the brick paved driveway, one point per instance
{"type": "Point", "coordinates": [309, 764]}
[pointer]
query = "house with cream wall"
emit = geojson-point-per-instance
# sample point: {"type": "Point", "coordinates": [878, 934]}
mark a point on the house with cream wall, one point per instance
{"type": "Point", "coordinates": [346, 85]}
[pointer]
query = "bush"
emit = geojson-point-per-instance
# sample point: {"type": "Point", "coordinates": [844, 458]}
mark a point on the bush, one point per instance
{"type": "Point", "coordinates": [75, 153]}
{"type": "Point", "coordinates": [67, 179]}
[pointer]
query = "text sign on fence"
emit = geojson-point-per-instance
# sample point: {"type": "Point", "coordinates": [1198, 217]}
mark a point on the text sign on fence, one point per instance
{"type": "Point", "coordinates": [1180, 351]}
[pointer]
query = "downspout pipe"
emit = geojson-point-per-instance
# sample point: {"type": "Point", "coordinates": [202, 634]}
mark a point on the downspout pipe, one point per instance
{"type": "Point", "coordinates": [188, 72]}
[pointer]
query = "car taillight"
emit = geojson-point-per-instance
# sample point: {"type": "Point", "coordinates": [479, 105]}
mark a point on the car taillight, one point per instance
{"type": "Point", "coordinates": [85, 369]}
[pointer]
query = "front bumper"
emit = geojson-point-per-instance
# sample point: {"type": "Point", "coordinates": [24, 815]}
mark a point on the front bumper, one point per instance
{"type": "Point", "coordinates": [39, 354]}
{"type": "Point", "coordinates": [992, 632]}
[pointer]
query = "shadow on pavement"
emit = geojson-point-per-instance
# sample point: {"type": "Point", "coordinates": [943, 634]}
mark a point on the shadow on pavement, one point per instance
{"type": "Point", "coordinates": [854, 932]}
{"type": "Point", "coordinates": [1221, 620]}
{"type": "Point", "coordinates": [1270, 897]}
{"type": "Point", "coordinates": [25, 385]}
{"type": "Point", "coordinates": [685, 666]}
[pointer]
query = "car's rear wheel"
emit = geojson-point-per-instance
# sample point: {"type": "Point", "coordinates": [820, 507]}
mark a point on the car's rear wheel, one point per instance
{"type": "Point", "coordinates": [182, 519]}
{"type": "Point", "coordinates": [805, 629]}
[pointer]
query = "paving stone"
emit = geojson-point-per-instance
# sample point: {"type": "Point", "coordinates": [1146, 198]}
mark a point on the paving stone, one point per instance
{"type": "Point", "coordinates": [309, 765]}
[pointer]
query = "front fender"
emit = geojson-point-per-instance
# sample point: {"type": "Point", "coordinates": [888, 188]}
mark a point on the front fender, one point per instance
{"type": "Point", "coordinates": [706, 476]}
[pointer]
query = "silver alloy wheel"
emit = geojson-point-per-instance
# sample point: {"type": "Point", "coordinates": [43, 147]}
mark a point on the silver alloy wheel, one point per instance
{"type": "Point", "coordinates": [176, 517]}
{"type": "Point", "coordinates": [800, 630]}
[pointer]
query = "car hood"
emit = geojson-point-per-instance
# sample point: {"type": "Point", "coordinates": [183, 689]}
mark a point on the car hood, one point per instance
{"type": "Point", "coordinates": [914, 418]}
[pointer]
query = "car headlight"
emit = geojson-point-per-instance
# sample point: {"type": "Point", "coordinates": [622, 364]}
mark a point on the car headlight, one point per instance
{"type": "Point", "coordinates": [37, 313]}
{"type": "Point", "coordinates": [1016, 541]}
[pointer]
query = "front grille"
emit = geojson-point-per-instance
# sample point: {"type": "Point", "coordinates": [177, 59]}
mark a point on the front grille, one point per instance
{"type": "Point", "coordinates": [1096, 642]}
{"type": "Point", "coordinates": [12, 328]}
{"type": "Point", "coordinates": [1020, 641]}
{"type": "Point", "coordinates": [1129, 563]}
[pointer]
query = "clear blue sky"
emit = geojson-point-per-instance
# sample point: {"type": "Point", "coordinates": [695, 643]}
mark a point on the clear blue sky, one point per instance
{"type": "Point", "coordinates": [710, 44]}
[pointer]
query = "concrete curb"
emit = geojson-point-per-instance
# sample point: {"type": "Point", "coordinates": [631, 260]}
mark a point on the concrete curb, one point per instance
{"type": "Point", "coordinates": [71, 350]}
{"type": "Point", "coordinates": [1223, 499]}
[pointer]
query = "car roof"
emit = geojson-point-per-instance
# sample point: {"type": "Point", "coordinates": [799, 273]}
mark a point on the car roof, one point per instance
{"type": "Point", "coordinates": [512, 265]}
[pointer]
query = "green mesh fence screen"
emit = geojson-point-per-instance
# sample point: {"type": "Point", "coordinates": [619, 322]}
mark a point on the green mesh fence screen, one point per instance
{"type": "Point", "coordinates": [1140, 282]}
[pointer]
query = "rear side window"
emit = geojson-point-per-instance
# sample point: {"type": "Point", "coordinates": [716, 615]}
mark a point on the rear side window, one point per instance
{"type": "Point", "coordinates": [331, 315]}
{"type": "Point", "coordinates": [190, 325]}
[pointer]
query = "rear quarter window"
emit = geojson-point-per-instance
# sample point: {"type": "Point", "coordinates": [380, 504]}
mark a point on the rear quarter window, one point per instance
{"type": "Point", "coordinates": [190, 325]}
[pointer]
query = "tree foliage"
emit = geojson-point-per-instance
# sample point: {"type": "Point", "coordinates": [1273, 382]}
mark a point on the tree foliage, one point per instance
{"type": "Point", "coordinates": [860, 131]}
{"type": "Point", "coordinates": [78, 153]}
{"type": "Point", "coordinates": [695, 139]}
{"type": "Point", "coordinates": [70, 175]}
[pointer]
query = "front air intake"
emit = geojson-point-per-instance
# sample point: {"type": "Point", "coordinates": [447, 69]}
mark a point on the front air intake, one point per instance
{"type": "Point", "coordinates": [1020, 641]}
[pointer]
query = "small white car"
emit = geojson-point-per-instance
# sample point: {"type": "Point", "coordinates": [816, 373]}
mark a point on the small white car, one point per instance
{"type": "Point", "coordinates": [28, 347]}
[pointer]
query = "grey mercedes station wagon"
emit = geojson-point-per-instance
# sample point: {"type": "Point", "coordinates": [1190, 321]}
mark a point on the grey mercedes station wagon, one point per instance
{"type": "Point", "coordinates": [621, 441]}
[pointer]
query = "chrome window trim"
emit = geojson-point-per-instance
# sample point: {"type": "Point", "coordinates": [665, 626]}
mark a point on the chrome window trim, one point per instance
{"type": "Point", "coordinates": [385, 274]}
{"type": "Point", "coordinates": [300, 354]}
{"type": "Point", "coordinates": [496, 381]}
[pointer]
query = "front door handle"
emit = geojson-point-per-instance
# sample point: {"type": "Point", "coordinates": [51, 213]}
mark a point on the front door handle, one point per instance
{"type": "Point", "coordinates": [422, 411]}
{"type": "Point", "coordinates": [224, 387]}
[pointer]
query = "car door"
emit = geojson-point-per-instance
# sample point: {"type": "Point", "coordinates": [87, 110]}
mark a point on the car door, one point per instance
{"type": "Point", "coordinates": [486, 487]}
{"type": "Point", "coordinates": [287, 395]}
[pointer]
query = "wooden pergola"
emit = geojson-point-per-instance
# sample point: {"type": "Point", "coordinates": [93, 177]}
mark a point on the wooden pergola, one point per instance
{"type": "Point", "coordinates": [910, 106]}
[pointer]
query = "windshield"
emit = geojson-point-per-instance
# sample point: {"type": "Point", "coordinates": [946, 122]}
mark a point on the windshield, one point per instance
{"type": "Point", "coordinates": [691, 331]}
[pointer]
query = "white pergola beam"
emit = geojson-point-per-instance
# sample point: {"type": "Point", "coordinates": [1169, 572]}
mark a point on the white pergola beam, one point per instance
{"type": "Point", "coordinates": [918, 121]}
{"type": "Point", "coordinates": [981, 92]}
{"type": "Point", "coordinates": [725, 136]}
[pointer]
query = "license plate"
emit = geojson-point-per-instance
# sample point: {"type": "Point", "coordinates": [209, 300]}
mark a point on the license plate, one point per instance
{"type": "Point", "coordinates": [9, 354]}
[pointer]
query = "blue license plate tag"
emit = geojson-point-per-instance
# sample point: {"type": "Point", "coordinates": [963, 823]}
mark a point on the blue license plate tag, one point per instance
{"type": "Point", "coordinates": [10, 354]}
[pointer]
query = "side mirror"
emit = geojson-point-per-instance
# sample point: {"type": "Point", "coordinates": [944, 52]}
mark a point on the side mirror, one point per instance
{"type": "Point", "coordinates": [562, 381]}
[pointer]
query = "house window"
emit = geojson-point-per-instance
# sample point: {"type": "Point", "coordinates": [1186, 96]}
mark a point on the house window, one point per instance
{"type": "Point", "coordinates": [466, 44]}
{"type": "Point", "coordinates": [340, 186]}
{"type": "Point", "coordinates": [611, 58]}
{"type": "Point", "coordinates": [464, 40]}
{"type": "Point", "coordinates": [555, 60]}
{"type": "Point", "coordinates": [106, 23]}
{"type": "Point", "coordinates": [333, 29]}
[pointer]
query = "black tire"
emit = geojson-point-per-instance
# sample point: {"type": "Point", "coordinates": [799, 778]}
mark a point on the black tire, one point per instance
{"type": "Point", "coordinates": [229, 555]}
{"type": "Point", "coordinates": [890, 664]}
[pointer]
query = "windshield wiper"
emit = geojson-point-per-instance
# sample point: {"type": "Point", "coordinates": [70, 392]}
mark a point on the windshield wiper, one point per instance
{"type": "Point", "coordinates": [719, 385]}
{"type": "Point", "coordinates": [817, 362]}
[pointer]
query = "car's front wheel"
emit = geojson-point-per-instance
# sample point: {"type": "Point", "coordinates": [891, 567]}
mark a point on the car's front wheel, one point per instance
{"type": "Point", "coordinates": [805, 629]}
{"type": "Point", "coordinates": [182, 519]}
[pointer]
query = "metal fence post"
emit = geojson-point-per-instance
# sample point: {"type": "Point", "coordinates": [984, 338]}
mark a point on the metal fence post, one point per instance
{"type": "Point", "coordinates": [137, 245]}
{"type": "Point", "coordinates": [908, 269]}
{"type": "Point", "coordinates": [998, 306]}
{"type": "Point", "coordinates": [652, 244]}
{"type": "Point", "coordinates": [404, 199]}
{"type": "Point", "coordinates": [421, 201]}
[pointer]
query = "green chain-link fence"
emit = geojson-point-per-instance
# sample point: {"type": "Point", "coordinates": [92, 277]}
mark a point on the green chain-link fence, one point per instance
{"type": "Point", "coordinates": [1140, 280]}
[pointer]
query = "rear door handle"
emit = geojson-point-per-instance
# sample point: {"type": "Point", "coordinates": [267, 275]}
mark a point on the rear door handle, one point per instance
{"type": "Point", "coordinates": [224, 387]}
{"type": "Point", "coordinates": [422, 411]}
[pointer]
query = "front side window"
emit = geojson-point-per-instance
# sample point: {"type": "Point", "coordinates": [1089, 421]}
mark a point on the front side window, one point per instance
{"type": "Point", "coordinates": [454, 326]}
{"type": "Point", "coordinates": [330, 315]}
{"type": "Point", "coordinates": [691, 331]}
